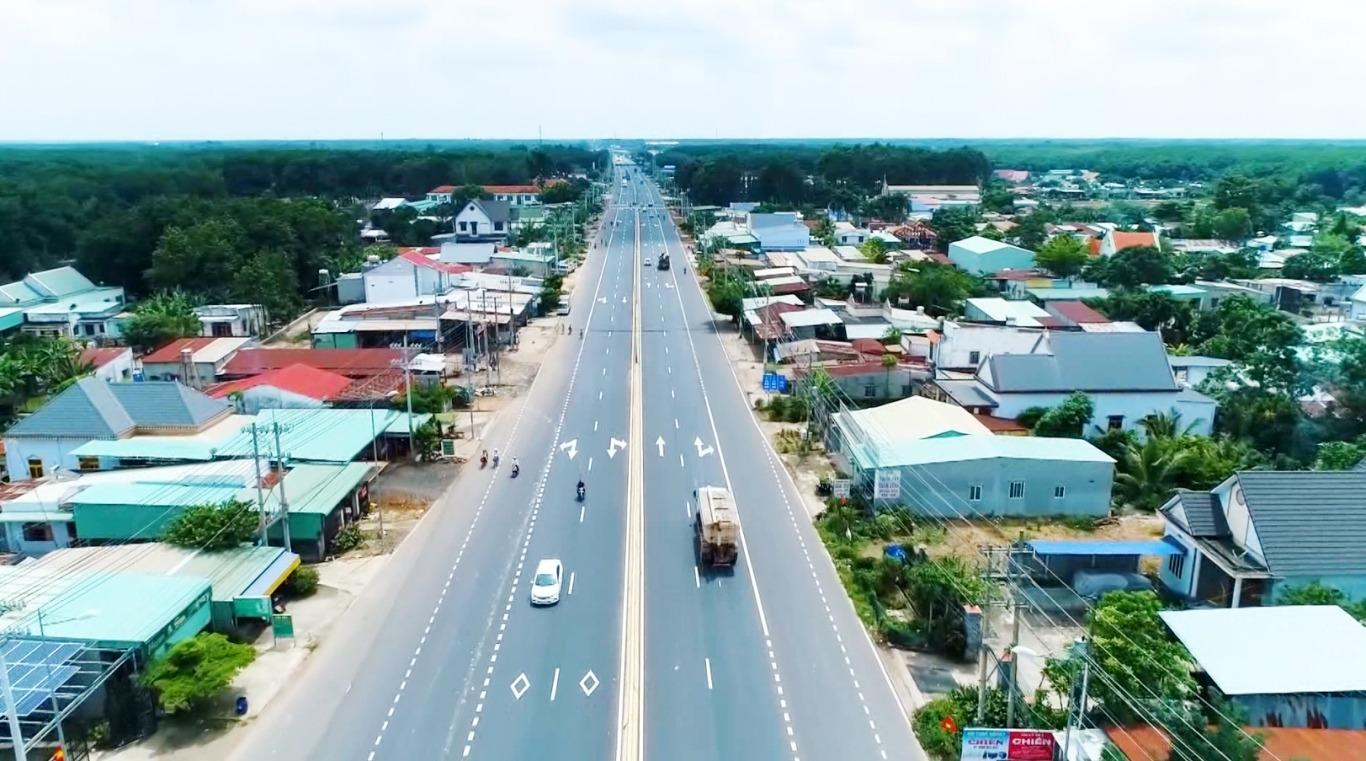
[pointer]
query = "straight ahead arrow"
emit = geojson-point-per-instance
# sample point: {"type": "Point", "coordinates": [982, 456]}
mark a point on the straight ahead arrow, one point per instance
{"type": "Point", "coordinates": [659, 442]}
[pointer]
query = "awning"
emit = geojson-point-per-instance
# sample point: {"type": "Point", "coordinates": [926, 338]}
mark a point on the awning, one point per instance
{"type": "Point", "coordinates": [1102, 547]}
{"type": "Point", "coordinates": [272, 577]}
{"type": "Point", "coordinates": [35, 516]}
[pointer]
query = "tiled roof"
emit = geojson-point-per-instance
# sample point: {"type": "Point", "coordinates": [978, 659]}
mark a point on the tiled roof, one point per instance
{"type": "Point", "coordinates": [91, 408]}
{"type": "Point", "coordinates": [499, 189]}
{"type": "Point", "coordinates": [298, 378]}
{"type": "Point", "coordinates": [1145, 743]}
{"type": "Point", "coordinates": [97, 357]}
{"type": "Point", "coordinates": [1087, 362]}
{"type": "Point", "coordinates": [442, 189]}
{"type": "Point", "coordinates": [1123, 240]}
{"type": "Point", "coordinates": [1309, 522]}
{"type": "Point", "coordinates": [171, 351]}
{"type": "Point", "coordinates": [416, 256]}
{"type": "Point", "coordinates": [353, 363]}
{"type": "Point", "coordinates": [1203, 516]}
{"type": "Point", "coordinates": [1076, 312]}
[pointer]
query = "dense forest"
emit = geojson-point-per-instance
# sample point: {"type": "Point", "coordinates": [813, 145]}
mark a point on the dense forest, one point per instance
{"type": "Point", "coordinates": [109, 208]}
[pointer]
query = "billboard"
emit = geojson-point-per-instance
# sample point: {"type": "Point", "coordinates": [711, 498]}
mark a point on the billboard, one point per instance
{"type": "Point", "coordinates": [887, 483]}
{"type": "Point", "coordinates": [1007, 745]}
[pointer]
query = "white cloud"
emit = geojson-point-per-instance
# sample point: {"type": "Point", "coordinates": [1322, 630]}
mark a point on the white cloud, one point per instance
{"type": "Point", "coordinates": [237, 69]}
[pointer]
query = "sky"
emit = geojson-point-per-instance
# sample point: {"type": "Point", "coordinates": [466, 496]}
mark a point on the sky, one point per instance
{"type": "Point", "coordinates": [562, 69]}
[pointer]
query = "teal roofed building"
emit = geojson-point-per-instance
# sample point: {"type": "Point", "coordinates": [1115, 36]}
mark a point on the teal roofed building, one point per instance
{"type": "Point", "coordinates": [61, 302]}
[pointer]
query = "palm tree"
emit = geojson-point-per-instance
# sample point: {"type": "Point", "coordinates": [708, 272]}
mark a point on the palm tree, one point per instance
{"type": "Point", "coordinates": [1165, 425]}
{"type": "Point", "coordinates": [1147, 472]}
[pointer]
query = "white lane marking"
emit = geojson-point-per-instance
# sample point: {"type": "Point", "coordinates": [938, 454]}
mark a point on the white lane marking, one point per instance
{"type": "Point", "coordinates": [680, 461]}
{"type": "Point", "coordinates": [582, 510]}
{"type": "Point", "coordinates": [675, 424]}
{"type": "Point", "coordinates": [595, 426]}
{"type": "Point", "coordinates": [687, 508]}
{"type": "Point", "coordinates": [708, 662]}
{"type": "Point", "coordinates": [571, 582]}
{"type": "Point", "coordinates": [554, 685]}
{"type": "Point", "coordinates": [590, 463]}
{"type": "Point", "coordinates": [696, 577]}
{"type": "Point", "coordinates": [599, 396]}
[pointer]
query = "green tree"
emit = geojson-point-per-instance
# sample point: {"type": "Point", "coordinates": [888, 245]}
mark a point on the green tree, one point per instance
{"type": "Point", "coordinates": [1235, 191]}
{"type": "Point", "coordinates": [162, 318]}
{"type": "Point", "coordinates": [939, 288]}
{"type": "Point", "coordinates": [1316, 266]}
{"type": "Point", "coordinates": [954, 224]}
{"type": "Point", "coordinates": [824, 231]}
{"type": "Point", "coordinates": [1339, 455]}
{"type": "Point", "coordinates": [1133, 267]}
{"type": "Point", "coordinates": [1129, 645]}
{"type": "Point", "coordinates": [196, 671]}
{"type": "Point", "coordinates": [888, 364]}
{"type": "Point", "coordinates": [1197, 737]}
{"type": "Point", "coordinates": [1151, 310]}
{"type": "Point", "coordinates": [1068, 419]}
{"type": "Point", "coordinates": [266, 278]}
{"type": "Point", "coordinates": [203, 256]}
{"type": "Point", "coordinates": [1063, 255]}
{"type": "Point", "coordinates": [1030, 232]}
{"type": "Point", "coordinates": [1147, 473]}
{"type": "Point", "coordinates": [1232, 224]}
{"type": "Point", "coordinates": [1257, 336]}
{"type": "Point", "coordinates": [889, 208]}
{"type": "Point", "coordinates": [427, 398]}
{"type": "Point", "coordinates": [212, 527]}
{"type": "Point", "coordinates": [561, 192]}
{"type": "Point", "coordinates": [875, 250]}
{"type": "Point", "coordinates": [551, 293]}
{"type": "Point", "coordinates": [427, 441]}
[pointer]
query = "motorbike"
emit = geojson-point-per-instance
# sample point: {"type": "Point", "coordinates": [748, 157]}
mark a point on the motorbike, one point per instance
{"type": "Point", "coordinates": [483, 461]}
{"type": "Point", "coordinates": [581, 492]}
{"type": "Point", "coordinates": [515, 470]}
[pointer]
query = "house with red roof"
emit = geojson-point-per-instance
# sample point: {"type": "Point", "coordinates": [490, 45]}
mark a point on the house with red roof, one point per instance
{"type": "Point", "coordinates": [352, 363]}
{"type": "Point", "coordinates": [415, 272]}
{"type": "Point", "coordinates": [441, 194]}
{"type": "Point", "coordinates": [112, 365]}
{"type": "Point", "coordinates": [1115, 241]}
{"type": "Point", "coordinates": [296, 386]}
{"type": "Point", "coordinates": [515, 195]}
{"type": "Point", "coordinates": [195, 362]}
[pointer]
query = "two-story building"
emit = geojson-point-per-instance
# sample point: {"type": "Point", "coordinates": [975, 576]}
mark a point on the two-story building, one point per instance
{"type": "Point", "coordinates": [514, 195]}
{"type": "Point", "coordinates": [415, 272]}
{"type": "Point", "coordinates": [441, 194]}
{"type": "Point", "coordinates": [61, 302]}
{"type": "Point", "coordinates": [1258, 533]}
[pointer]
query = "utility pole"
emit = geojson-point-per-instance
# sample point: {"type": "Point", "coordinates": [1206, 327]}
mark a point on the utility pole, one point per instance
{"type": "Point", "coordinates": [284, 500]}
{"type": "Point", "coordinates": [374, 454]}
{"type": "Point", "coordinates": [984, 650]}
{"type": "Point", "coordinates": [260, 495]}
{"type": "Point", "coordinates": [408, 392]}
{"type": "Point", "coordinates": [1014, 642]}
{"type": "Point", "coordinates": [1079, 649]}
{"type": "Point", "coordinates": [16, 732]}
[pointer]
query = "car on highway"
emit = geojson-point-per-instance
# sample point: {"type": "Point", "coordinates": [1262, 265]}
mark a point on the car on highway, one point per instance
{"type": "Point", "coordinates": [545, 584]}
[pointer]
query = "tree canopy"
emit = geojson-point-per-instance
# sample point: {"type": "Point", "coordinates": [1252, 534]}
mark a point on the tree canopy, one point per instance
{"type": "Point", "coordinates": [196, 671]}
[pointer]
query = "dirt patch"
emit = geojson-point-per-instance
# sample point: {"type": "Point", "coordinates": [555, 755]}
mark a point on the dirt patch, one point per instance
{"type": "Point", "coordinates": [965, 538]}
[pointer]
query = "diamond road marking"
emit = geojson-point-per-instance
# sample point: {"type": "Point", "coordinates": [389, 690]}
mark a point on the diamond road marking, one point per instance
{"type": "Point", "coordinates": [588, 684]}
{"type": "Point", "coordinates": [520, 685]}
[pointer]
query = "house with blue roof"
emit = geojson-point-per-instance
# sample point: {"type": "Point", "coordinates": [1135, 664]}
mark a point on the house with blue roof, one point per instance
{"type": "Point", "coordinates": [94, 410]}
{"type": "Point", "coordinates": [939, 460]}
{"type": "Point", "coordinates": [61, 302]}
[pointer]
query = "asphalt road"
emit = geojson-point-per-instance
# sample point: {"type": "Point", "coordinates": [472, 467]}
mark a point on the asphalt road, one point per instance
{"type": "Point", "coordinates": [443, 656]}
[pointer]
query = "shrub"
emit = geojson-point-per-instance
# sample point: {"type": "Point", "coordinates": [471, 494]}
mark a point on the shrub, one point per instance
{"type": "Point", "coordinates": [212, 527]}
{"type": "Point", "coordinates": [302, 583]}
{"type": "Point", "coordinates": [196, 670]}
{"type": "Point", "coordinates": [348, 539]}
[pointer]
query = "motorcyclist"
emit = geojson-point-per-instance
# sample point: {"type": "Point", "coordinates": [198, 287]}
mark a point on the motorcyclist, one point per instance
{"type": "Point", "coordinates": [495, 458]}
{"type": "Point", "coordinates": [516, 468]}
{"type": "Point", "coordinates": [580, 489]}
{"type": "Point", "coordinates": [484, 458]}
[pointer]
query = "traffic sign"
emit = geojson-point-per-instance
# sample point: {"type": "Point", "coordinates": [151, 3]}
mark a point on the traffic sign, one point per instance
{"type": "Point", "coordinates": [282, 624]}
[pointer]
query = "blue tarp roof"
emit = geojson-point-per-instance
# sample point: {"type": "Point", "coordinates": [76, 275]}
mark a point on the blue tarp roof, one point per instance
{"type": "Point", "coordinates": [1102, 547]}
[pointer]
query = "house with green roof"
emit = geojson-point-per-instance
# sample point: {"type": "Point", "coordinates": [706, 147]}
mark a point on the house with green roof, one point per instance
{"type": "Point", "coordinates": [94, 410]}
{"type": "Point", "coordinates": [61, 302]}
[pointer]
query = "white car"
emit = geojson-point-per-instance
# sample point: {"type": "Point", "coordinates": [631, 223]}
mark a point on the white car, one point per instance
{"type": "Point", "coordinates": [545, 585]}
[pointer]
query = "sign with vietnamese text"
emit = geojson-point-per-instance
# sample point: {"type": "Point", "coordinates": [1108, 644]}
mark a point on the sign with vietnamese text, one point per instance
{"type": "Point", "coordinates": [839, 488]}
{"type": "Point", "coordinates": [887, 484]}
{"type": "Point", "coordinates": [1007, 745]}
{"type": "Point", "coordinates": [282, 625]}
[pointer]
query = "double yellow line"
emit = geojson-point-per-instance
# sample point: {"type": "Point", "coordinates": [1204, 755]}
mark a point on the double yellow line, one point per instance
{"type": "Point", "coordinates": [631, 701]}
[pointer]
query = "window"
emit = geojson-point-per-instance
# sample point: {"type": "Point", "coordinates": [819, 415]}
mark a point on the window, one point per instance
{"type": "Point", "coordinates": [89, 463]}
{"type": "Point", "coordinates": [974, 357]}
{"type": "Point", "coordinates": [37, 532]}
{"type": "Point", "coordinates": [1059, 491]}
{"type": "Point", "coordinates": [1115, 422]}
{"type": "Point", "coordinates": [462, 226]}
{"type": "Point", "coordinates": [1176, 565]}
{"type": "Point", "coordinates": [1017, 489]}
{"type": "Point", "coordinates": [498, 225]}
{"type": "Point", "coordinates": [870, 390]}
{"type": "Point", "coordinates": [35, 467]}
{"type": "Point", "coordinates": [975, 493]}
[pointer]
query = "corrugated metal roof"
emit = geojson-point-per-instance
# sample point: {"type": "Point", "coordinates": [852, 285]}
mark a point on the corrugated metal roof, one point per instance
{"type": "Point", "coordinates": [115, 608]}
{"type": "Point", "coordinates": [230, 572]}
{"type": "Point", "coordinates": [1087, 362]}
{"type": "Point", "coordinates": [1275, 650]}
{"type": "Point", "coordinates": [965, 448]}
{"type": "Point", "coordinates": [59, 282]}
{"type": "Point", "coordinates": [1102, 547]}
{"type": "Point", "coordinates": [1308, 522]}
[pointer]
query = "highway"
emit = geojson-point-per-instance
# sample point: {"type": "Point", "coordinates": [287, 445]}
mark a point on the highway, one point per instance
{"type": "Point", "coordinates": [646, 655]}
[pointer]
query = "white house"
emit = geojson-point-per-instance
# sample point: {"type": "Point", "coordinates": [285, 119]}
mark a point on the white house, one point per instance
{"type": "Point", "coordinates": [984, 256]}
{"type": "Point", "coordinates": [848, 235]}
{"type": "Point", "coordinates": [224, 320]}
{"type": "Point", "coordinates": [515, 195]}
{"type": "Point", "coordinates": [1190, 371]}
{"type": "Point", "coordinates": [61, 302]}
{"type": "Point", "coordinates": [1023, 313]}
{"type": "Point", "coordinates": [1358, 304]}
{"type": "Point", "coordinates": [441, 194]}
{"type": "Point", "coordinates": [414, 272]}
{"type": "Point", "coordinates": [205, 357]}
{"type": "Point", "coordinates": [483, 220]}
{"type": "Point", "coordinates": [964, 346]}
{"type": "Point", "coordinates": [112, 364]}
{"type": "Point", "coordinates": [474, 254]}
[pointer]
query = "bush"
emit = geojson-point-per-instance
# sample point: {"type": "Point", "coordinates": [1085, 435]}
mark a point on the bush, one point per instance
{"type": "Point", "coordinates": [348, 539]}
{"type": "Point", "coordinates": [212, 527]}
{"type": "Point", "coordinates": [777, 408]}
{"type": "Point", "coordinates": [196, 671]}
{"type": "Point", "coordinates": [302, 583]}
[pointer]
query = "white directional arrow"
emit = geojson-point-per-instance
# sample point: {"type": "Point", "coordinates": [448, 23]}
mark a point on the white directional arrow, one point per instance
{"type": "Point", "coordinates": [702, 449]}
{"type": "Point", "coordinates": [615, 446]}
{"type": "Point", "coordinates": [571, 447]}
{"type": "Point", "coordinates": [602, 299]}
{"type": "Point", "coordinates": [520, 685]}
{"type": "Point", "coordinates": [588, 683]}
{"type": "Point", "coordinates": [659, 442]}
{"type": "Point", "coordinates": [623, 299]}
{"type": "Point", "coordinates": [669, 285]}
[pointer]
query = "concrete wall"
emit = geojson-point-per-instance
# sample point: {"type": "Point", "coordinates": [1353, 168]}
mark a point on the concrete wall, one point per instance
{"type": "Point", "coordinates": [14, 538]}
{"type": "Point", "coordinates": [119, 370]}
{"type": "Point", "coordinates": [943, 489]}
{"type": "Point", "coordinates": [1134, 406]}
{"type": "Point", "coordinates": [400, 280]}
{"type": "Point", "coordinates": [1008, 257]}
{"type": "Point", "coordinates": [264, 397]}
{"type": "Point", "coordinates": [54, 452]}
{"type": "Point", "coordinates": [205, 373]}
{"type": "Point", "coordinates": [1311, 710]}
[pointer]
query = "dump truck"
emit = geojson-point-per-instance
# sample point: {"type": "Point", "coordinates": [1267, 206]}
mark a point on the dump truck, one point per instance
{"type": "Point", "coordinates": [663, 262]}
{"type": "Point", "coordinates": [717, 531]}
